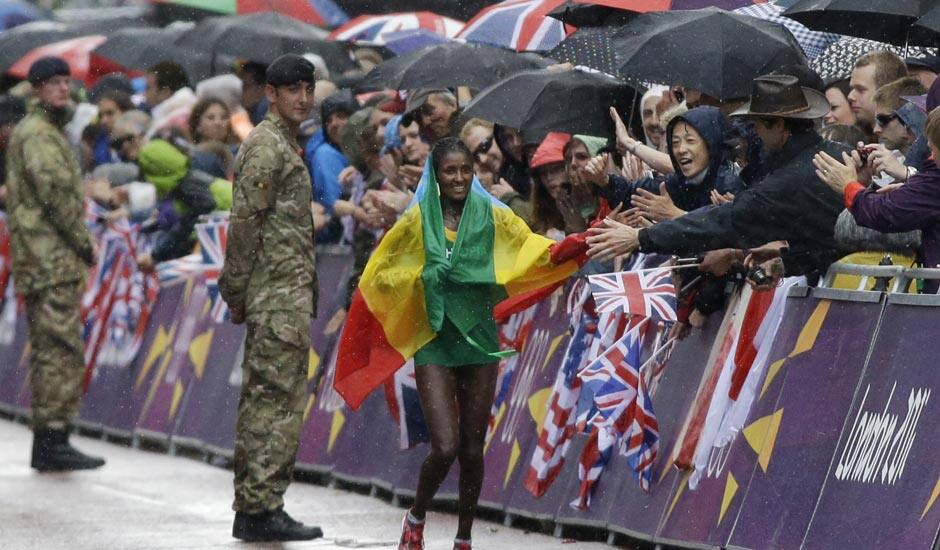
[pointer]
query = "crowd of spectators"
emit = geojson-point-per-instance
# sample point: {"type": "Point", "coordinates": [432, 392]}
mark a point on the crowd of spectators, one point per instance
{"type": "Point", "coordinates": [700, 177]}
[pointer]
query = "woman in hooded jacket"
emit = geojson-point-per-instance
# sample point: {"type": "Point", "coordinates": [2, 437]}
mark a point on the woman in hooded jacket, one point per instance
{"type": "Point", "coordinates": [704, 172]}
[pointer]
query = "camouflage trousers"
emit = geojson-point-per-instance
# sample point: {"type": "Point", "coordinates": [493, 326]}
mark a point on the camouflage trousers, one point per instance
{"type": "Point", "coordinates": [271, 408]}
{"type": "Point", "coordinates": [57, 362]}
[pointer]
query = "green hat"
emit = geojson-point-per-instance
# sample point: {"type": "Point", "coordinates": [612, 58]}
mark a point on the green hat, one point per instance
{"type": "Point", "coordinates": [162, 165]}
{"type": "Point", "coordinates": [593, 143]}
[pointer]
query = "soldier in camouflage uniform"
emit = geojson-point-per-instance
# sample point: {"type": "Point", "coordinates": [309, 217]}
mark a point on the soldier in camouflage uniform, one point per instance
{"type": "Point", "coordinates": [52, 251]}
{"type": "Point", "coordinates": [269, 281]}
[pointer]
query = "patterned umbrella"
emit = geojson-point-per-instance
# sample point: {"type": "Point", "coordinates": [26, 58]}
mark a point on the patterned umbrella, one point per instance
{"type": "Point", "coordinates": [839, 58]}
{"type": "Point", "coordinates": [77, 52]}
{"type": "Point", "coordinates": [812, 42]}
{"type": "Point", "coordinates": [370, 29]}
{"type": "Point", "coordinates": [522, 25]}
{"type": "Point", "coordinates": [594, 13]}
{"type": "Point", "coordinates": [588, 47]}
{"type": "Point", "coordinates": [886, 21]}
{"type": "Point", "coordinates": [324, 13]}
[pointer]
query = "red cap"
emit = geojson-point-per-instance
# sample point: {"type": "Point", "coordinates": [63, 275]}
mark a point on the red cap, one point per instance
{"type": "Point", "coordinates": [551, 150]}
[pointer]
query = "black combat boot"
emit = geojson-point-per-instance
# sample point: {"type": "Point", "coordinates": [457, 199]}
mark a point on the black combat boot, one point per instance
{"type": "Point", "coordinates": [275, 525]}
{"type": "Point", "coordinates": [52, 452]}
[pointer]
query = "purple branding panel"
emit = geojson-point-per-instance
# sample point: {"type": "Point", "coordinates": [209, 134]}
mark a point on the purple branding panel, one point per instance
{"type": "Point", "coordinates": [707, 513]}
{"type": "Point", "coordinates": [883, 487]}
{"type": "Point", "coordinates": [819, 380]}
{"type": "Point", "coordinates": [14, 367]}
{"type": "Point", "coordinates": [175, 375]}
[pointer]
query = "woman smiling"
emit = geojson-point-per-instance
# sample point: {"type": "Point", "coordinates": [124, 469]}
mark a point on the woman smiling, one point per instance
{"type": "Point", "coordinates": [704, 173]}
{"type": "Point", "coordinates": [428, 294]}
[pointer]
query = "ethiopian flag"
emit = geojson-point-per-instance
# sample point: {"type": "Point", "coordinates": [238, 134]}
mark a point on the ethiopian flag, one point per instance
{"type": "Point", "coordinates": [411, 284]}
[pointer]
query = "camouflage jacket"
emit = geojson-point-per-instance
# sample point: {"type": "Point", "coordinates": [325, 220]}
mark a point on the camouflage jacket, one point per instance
{"type": "Point", "coordinates": [49, 242]}
{"type": "Point", "coordinates": [269, 259]}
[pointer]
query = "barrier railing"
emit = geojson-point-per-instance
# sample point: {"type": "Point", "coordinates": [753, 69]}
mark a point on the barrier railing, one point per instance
{"type": "Point", "coordinates": [837, 450]}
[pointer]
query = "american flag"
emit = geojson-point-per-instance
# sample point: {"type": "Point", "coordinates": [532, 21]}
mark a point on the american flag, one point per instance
{"type": "Point", "coordinates": [213, 237]}
{"type": "Point", "coordinates": [647, 293]}
{"type": "Point", "coordinates": [401, 392]}
{"type": "Point", "coordinates": [558, 427]}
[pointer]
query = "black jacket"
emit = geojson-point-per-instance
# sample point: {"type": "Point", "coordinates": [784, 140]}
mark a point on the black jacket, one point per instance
{"type": "Point", "coordinates": [687, 195]}
{"type": "Point", "coordinates": [789, 204]}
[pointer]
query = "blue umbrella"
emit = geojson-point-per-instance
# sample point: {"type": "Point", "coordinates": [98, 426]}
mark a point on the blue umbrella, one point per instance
{"type": "Point", "coordinates": [16, 12]}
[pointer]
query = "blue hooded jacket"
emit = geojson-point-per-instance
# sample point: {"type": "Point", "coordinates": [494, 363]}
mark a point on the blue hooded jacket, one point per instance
{"type": "Point", "coordinates": [688, 195]}
{"type": "Point", "coordinates": [325, 162]}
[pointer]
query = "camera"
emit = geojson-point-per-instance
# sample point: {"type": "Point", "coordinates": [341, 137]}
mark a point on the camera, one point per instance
{"type": "Point", "coordinates": [863, 152]}
{"type": "Point", "coordinates": [759, 277]}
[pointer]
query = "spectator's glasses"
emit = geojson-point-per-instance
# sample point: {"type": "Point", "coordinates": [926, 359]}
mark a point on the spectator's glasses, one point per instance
{"type": "Point", "coordinates": [118, 142]}
{"type": "Point", "coordinates": [483, 148]}
{"type": "Point", "coordinates": [885, 119]}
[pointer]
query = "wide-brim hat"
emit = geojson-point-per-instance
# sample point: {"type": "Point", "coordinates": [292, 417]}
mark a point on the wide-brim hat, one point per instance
{"type": "Point", "coordinates": [782, 96]}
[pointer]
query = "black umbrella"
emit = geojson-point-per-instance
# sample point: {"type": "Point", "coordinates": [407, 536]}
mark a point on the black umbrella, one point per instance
{"type": "Point", "coordinates": [591, 15]}
{"type": "Point", "coordinates": [588, 47]}
{"type": "Point", "coordinates": [143, 48]}
{"type": "Point", "coordinates": [18, 41]}
{"type": "Point", "coordinates": [539, 102]}
{"type": "Point", "coordinates": [711, 50]}
{"type": "Point", "coordinates": [926, 30]}
{"type": "Point", "coordinates": [459, 9]}
{"type": "Point", "coordinates": [450, 65]}
{"type": "Point", "coordinates": [263, 37]}
{"type": "Point", "coordinates": [885, 21]}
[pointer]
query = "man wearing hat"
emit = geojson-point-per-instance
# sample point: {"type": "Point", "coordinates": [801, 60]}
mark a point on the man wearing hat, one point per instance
{"type": "Point", "coordinates": [925, 69]}
{"type": "Point", "coordinates": [436, 112]}
{"type": "Point", "coordinates": [52, 251]}
{"type": "Point", "coordinates": [789, 204]}
{"type": "Point", "coordinates": [269, 282]}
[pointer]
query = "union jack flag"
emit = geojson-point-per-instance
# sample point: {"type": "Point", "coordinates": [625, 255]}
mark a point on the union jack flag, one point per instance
{"type": "Point", "coordinates": [512, 335]}
{"type": "Point", "coordinates": [522, 25]}
{"type": "Point", "coordinates": [641, 443]}
{"type": "Point", "coordinates": [647, 293]}
{"type": "Point", "coordinates": [371, 29]}
{"type": "Point", "coordinates": [213, 237]}
{"type": "Point", "coordinates": [613, 377]}
{"type": "Point", "coordinates": [118, 299]}
{"type": "Point", "coordinates": [401, 393]}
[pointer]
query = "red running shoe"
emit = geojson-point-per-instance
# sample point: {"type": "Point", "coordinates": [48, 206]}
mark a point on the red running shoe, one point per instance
{"type": "Point", "coordinates": [412, 535]}
{"type": "Point", "coordinates": [462, 545]}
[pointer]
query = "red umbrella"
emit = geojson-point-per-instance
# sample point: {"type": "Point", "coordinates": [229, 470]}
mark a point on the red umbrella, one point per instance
{"type": "Point", "coordinates": [76, 52]}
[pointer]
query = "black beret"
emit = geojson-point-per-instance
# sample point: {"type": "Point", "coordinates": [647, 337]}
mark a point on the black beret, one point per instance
{"type": "Point", "coordinates": [45, 68]}
{"type": "Point", "coordinates": [290, 69]}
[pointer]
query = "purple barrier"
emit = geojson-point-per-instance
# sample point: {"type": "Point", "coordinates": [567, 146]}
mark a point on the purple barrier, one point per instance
{"type": "Point", "coordinates": [14, 370]}
{"type": "Point", "coordinates": [509, 450]}
{"type": "Point", "coordinates": [519, 427]}
{"type": "Point", "coordinates": [631, 511]}
{"type": "Point", "coordinates": [210, 406]}
{"type": "Point", "coordinates": [116, 396]}
{"type": "Point", "coordinates": [703, 515]}
{"type": "Point", "coordinates": [881, 490]}
{"type": "Point", "coordinates": [779, 499]}
{"type": "Point", "coordinates": [175, 375]}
